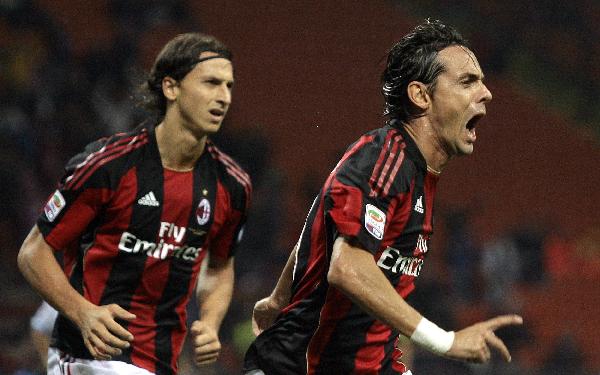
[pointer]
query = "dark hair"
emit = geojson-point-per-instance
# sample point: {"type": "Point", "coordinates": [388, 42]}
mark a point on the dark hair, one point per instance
{"type": "Point", "coordinates": [413, 58]}
{"type": "Point", "coordinates": [177, 58]}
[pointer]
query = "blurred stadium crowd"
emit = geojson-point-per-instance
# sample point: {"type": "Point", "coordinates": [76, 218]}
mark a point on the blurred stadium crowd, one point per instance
{"type": "Point", "coordinates": [55, 98]}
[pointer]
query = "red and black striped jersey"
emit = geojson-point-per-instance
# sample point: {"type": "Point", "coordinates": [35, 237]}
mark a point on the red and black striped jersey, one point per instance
{"type": "Point", "coordinates": [135, 234]}
{"type": "Point", "coordinates": [381, 195]}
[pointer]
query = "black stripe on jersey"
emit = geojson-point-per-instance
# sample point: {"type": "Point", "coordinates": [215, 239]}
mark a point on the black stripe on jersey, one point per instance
{"type": "Point", "coordinates": [205, 187]}
{"type": "Point", "coordinates": [303, 252]}
{"type": "Point", "coordinates": [414, 224]}
{"type": "Point", "coordinates": [66, 335]}
{"type": "Point", "coordinates": [336, 358]}
{"type": "Point", "coordinates": [180, 271]}
{"type": "Point", "coordinates": [128, 268]}
{"type": "Point", "coordinates": [389, 349]}
{"type": "Point", "coordinates": [234, 170]}
{"type": "Point", "coordinates": [107, 153]}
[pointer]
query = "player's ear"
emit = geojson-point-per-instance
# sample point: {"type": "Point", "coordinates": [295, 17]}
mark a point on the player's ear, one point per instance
{"type": "Point", "coordinates": [170, 88]}
{"type": "Point", "coordinates": [418, 95]}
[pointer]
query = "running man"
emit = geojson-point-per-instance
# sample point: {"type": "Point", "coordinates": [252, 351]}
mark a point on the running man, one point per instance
{"type": "Point", "coordinates": [136, 214]}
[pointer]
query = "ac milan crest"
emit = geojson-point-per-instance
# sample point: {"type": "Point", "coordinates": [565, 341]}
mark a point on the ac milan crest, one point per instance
{"type": "Point", "coordinates": [203, 211]}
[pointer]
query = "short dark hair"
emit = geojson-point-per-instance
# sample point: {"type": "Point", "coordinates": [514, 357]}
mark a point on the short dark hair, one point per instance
{"type": "Point", "coordinates": [413, 58]}
{"type": "Point", "coordinates": [177, 58]}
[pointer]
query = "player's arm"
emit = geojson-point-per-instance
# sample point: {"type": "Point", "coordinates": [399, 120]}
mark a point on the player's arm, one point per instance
{"type": "Point", "coordinates": [213, 293]}
{"type": "Point", "coordinates": [353, 271]}
{"type": "Point", "coordinates": [102, 335]}
{"type": "Point", "coordinates": [267, 309]}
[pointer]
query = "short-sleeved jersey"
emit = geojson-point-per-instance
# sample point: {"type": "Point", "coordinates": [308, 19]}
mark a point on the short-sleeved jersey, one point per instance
{"type": "Point", "coordinates": [380, 194]}
{"type": "Point", "coordinates": [135, 234]}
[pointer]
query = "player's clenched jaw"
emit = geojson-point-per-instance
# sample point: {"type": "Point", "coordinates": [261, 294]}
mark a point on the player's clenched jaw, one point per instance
{"type": "Point", "coordinates": [199, 101]}
{"type": "Point", "coordinates": [458, 100]}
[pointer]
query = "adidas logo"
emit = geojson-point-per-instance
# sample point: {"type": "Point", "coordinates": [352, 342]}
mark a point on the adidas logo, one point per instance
{"type": "Point", "coordinates": [148, 200]}
{"type": "Point", "coordinates": [419, 205]}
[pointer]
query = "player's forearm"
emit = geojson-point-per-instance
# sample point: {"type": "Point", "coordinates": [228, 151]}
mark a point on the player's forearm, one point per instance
{"type": "Point", "coordinates": [283, 290]}
{"type": "Point", "coordinates": [354, 272]}
{"type": "Point", "coordinates": [214, 294]}
{"type": "Point", "coordinates": [38, 265]}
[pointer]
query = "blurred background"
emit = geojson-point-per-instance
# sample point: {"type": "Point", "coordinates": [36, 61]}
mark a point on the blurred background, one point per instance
{"type": "Point", "coordinates": [517, 224]}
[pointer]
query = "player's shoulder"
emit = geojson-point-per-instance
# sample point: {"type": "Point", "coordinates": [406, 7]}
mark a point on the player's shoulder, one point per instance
{"type": "Point", "coordinates": [102, 155]}
{"type": "Point", "coordinates": [114, 144]}
{"type": "Point", "coordinates": [379, 149]}
{"type": "Point", "coordinates": [379, 161]}
{"type": "Point", "coordinates": [230, 173]}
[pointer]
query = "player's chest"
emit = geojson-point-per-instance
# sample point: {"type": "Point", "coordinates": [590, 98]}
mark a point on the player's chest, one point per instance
{"type": "Point", "coordinates": [411, 225]}
{"type": "Point", "coordinates": [177, 210]}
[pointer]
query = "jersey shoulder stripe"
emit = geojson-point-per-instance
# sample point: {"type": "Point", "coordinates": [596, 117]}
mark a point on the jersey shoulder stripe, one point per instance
{"type": "Point", "coordinates": [388, 163]}
{"type": "Point", "coordinates": [353, 149]}
{"type": "Point", "coordinates": [232, 168]}
{"type": "Point", "coordinates": [380, 160]}
{"type": "Point", "coordinates": [102, 152]}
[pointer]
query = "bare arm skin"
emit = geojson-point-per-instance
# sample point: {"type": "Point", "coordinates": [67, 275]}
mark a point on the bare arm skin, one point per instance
{"type": "Point", "coordinates": [354, 272]}
{"type": "Point", "coordinates": [214, 293]}
{"type": "Point", "coordinates": [267, 309]}
{"type": "Point", "coordinates": [102, 335]}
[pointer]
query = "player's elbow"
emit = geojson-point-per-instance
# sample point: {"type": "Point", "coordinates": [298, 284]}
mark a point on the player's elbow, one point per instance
{"type": "Point", "coordinates": [341, 274]}
{"type": "Point", "coordinates": [27, 253]}
{"type": "Point", "coordinates": [24, 258]}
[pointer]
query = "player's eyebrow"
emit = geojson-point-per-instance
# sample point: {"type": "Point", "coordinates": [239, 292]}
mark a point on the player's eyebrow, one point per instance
{"type": "Point", "coordinates": [471, 77]}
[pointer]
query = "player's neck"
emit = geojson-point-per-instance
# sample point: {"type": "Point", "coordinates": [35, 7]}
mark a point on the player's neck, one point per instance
{"type": "Point", "coordinates": [426, 140]}
{"type": "Point", "coordinates": [179, 149]}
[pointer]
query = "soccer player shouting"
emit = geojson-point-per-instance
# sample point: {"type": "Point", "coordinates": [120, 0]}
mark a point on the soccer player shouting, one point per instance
{"type": "Point", "coordinates": [339, 304]}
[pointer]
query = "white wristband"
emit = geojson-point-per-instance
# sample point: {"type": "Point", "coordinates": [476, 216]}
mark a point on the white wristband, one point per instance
{"type": "Point", "coordinates": [432, 337]}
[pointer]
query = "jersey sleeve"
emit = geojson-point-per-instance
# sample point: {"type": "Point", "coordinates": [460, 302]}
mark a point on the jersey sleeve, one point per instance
{"type": "Point", "coordinates": [80, 197]}
{"type": "Point", "coordinates": [230, 234]}
{"type": "Point", "coordinates": [364, 191]}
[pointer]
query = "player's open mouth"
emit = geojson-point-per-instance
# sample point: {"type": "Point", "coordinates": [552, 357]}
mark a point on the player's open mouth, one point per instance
{"type": "Point", "coordinates": [473, 121]}
{"type": "Point", "coordinates": [471, 135]}
{"type": "Point", "coordinates": [217, 112]}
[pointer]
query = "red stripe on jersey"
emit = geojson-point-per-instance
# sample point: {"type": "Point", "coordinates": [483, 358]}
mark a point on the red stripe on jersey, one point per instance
{"type": "Point", "coordinates": [117, 152]}
{"type": "Point", "coordinates": [397, 165]}
{"type": "Point", "coordinates": [176, 210]}
{"type": "Point", "coordinates": [388, 162]}
{"type": "Point", "coordinates": [231, 163]}
{"type": "Point", "coordinates": [335, 308]}
{"type": "Point", "coordinates": [77, 217]}
{"type": "Point", "coordinates": [94, 157]}
{"type": "Point", "coordinates": [382, 154]}
{"type": "Point", "coordinates": [399, 217]}
{"type": "Point", "coordinates": [371, 354]}
{"type": "Point", "coordinates": [223, 230]}
{"type": "Point", "coordinates": [98, 259]}
{"type": "Point", "coordinates": [405, 284]}
{"type": "Point", "coordinates": [315, 265]}
{"type": "Point", "coordinates": [429, 190]}
{"type": "Point", "coordinates": [143, 328]}
{"type": "Point", "coordinates": [233, 169]}
{"type": "Point", "coordinates": [348, 201]}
